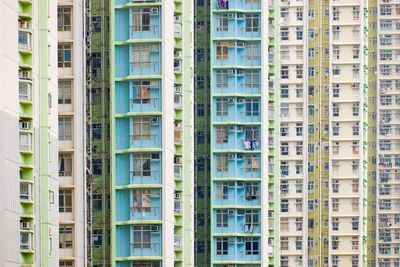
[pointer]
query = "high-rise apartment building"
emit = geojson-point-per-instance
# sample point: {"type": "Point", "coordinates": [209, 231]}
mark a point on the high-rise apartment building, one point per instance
{"type": "Point", "coordinates": [71, 133]}
{"type": "Point", "coordinates": [29, 134]}
{"type": "Point", "coordinates": [244, 125]}
{"type": "Point", "coordinates": [98, 131]}
{"type": "Point", "coordinates": [227, 133]}
{"type": "Point", "coordinates": [152, 133]}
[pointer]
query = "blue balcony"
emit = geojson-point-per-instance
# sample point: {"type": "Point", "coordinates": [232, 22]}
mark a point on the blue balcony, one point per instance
{"type": "Point", "coordinates": [138, 204]}
{"type": "Point", "coordinates": [228, 53]}
{"type": "Point", "coordinates": [236, 109]}
{"type": "Point", "coordinates": [240, 221]}
{"type": "Point", "coordinates": [237, 81]}
{"type": "Point", "coordinates": [236, 193]}
{"type": "Point", "coordinates": [237, 165]}
{"type": "Point", "coordinates": [138, 96]}
{"type": "Point", "coordinates": [237, 4]}
{"type": "Point", "coordinates": [139, 263]}
{"type": "Point", "coordinates": [146, 204]}
{"type": "Point", "coordinates": [138, 240]}
{"type": "Point", "coordinates": [138, 132]}
{"type": "Point", "coordinates": [146, 240]}
{"type": "Point", "coordinates": [138, 168]}
{"type": "Point", "coordinates": [237, 137]}
{"type": "Point", "coordinates": [145, 23]}
{"type": "Point", "coordinates": [242, 25]}
{"type": "Point", "coordinates": [237, 249]}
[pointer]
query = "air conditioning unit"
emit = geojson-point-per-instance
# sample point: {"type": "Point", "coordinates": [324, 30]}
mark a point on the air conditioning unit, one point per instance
{"type": "Point", "coordinates": [177, 195]}
{"type": "Point", "coordinates": [155, 120]}
{"type": "Point", "coordinates": [231, 128]}
{"type": "Point", "coordinates": [382, 90]}
{"type": "Point", "coordinates": [231, 212]}
{"type": "Point", "coordinates": [240, 15]}
{"type": "Point", "coordinates": [231, 239]}
{"type": "Point", "coordinates": [25, 225]}
{"type": "Point", "coordinates": [240, 100]}
{"type": "Point", "coordinates": [231, 100]}
{"type": "Point", "coordinates": [25, 75]}
{"type": "Point", "coordinates": [231, 156]}
{"type": "Point", "coordinates": [230, 72]}
{"type": "Point", "coordinates": [154, 10]}
{"type": "Point", "coordinates": [24, 125]}
{"type": "Point", "coordinates": [240, 44]}
{"type": "Point", "coordinates": [240, 128]}
{"type": "Point", "coordinates": [177, 18]}
{"type": "Point", "coordinates": [231, 15]}
{"type": "Point", "coordinates": [155, 228]}
{"type": "Point", "coordinates": [178, 89]}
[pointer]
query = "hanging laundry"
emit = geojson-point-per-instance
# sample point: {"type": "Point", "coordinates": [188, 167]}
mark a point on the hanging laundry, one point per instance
{"type": "Point", "coordinates": [246, 228]}
{"type": "Point", "coordinates": [247, 145]}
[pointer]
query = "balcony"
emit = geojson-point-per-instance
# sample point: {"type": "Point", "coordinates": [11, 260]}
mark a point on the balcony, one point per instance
{"type": "Point", "coordinates": [178, 242]}
{"type": "Point", "coordinates": [178, 207]}
{"type": "Point", "coordinates": [26, 241]}
{"type": "Point", "coordinates": [177, 101]}
{"type": "Point", "coordinates": [25, 142]}
{"type": "Point", "coordinates": [177, 134]}
{"type": "Point", "coordinates": [149, 25]}
{"type": "Point", "coordinates": [236, 4]}
{"type": "Point", "coordinates": [177, 172]}
{"type": "Point", "coordinates": [240, 81]}
{"type": "Point", "coordinates": [146, 249]}
{"type": "Point", "coordinates": [239, 193]}
{"type": "Point", "coordinates": [25, 92]}
{"type": "Point", "coordinates": [24, 41]}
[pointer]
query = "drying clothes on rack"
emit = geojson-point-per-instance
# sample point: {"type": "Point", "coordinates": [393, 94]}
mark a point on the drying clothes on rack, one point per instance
{"type": "Point", "coordinates": [247, 145]}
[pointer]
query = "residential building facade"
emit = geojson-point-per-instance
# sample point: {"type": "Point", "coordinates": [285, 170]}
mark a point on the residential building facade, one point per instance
{"type": "Point", "coordinates": [244, 125]}
{"type": "Point", "coordinates": [29, 134]}
{"type": "Point", "coordinates": [152, 133]}
{"type": "Point", "coordinates": [71, 133]}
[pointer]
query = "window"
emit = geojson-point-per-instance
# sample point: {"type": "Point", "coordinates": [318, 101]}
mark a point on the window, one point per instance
{"type": "Point", "coordinates": [64, 128]}
{"type": "Point", "coordinates": [141, 92]}
{"type": "Point", "coordinates": [141, 19]}
{"type": "Point", "coordinates": [251, 50]}
{"type": "Point", "coordinates": [222, 134]}
{"type": "Point", "coordinates": [222, 22]}
{"type": "Point", "coordinates": [336, 32]}
{"type": "Point", "coordinates": [65, 164]}
{"type": "Point", "coordinates": [354, 223]}
{"type": "Point", "coordinates": [251, 245]}
{"type": "Point", "coordinates": [251, 190]}
{"type": "Point", "coordinates": [96, 96]}
{"type": "Point", "coordinates": [222, 246]}
{"type": "Point", "coordinates": [222, 218]}
{"type": "Point", "coordinates": [284, 33]}
{"type": "Point", "coordinates": [25, 191]}
{"type": "Point", "coordinates": [142, 164]}
{"type": "Point", "coordinates": [222, 162]}
{"type": "Point", "coordinates": [310, 72]}
{"type": "Point", "coordinates": [251, 163]}
{"type": "Point", "coordinates": [142, 128]}
{"type": "Point", "coordinates": [222, 50]}
{"type": "Point", "coordinates": [335, 204]}
{"type": "Point", "coordinates": [64, 55]}
{"type": "Point", "coordinates": [356, 51]}
{"type": "Point", "coordinates": [252, 106]}
{"type": "Point", "coordinates": [284, 91]}
{"type": "Point", "coordinates": [97, 238]}
{"type": "Point", "coordinates": [141, 55]}
{"type": "Point", "coordinates": [25, 141]}
{"type": "Point", "coordinates": [65, 200]}
{"type": "Point", "coordinates": [142, 200]}
{"type": "Point", "coordinates": [252, 22]}
{"type": "Point", "coordinates": [284, 148]}
{"type": "Point", "coordinates": [284, 72]}
{"type": "Point", "coordinates": [284, 243]}
{"type": "Point", "coordinates": [64, 92]}
{"type": "Point", "coordinates": [299, 71]}
{"type": "Point", "coordinates": [222, 79]}
{"type": "Point", "coordinates": [222, 107]}
{"type": "Point", "coordinates": [252, 79]}
{"type": "Point", "coordinates": [299, 14]}
{"type": "Point", "coordinates": [299, 33]}
{"type": "Point", "coordinates": [64, 19]}
{"type": "Point", "coordinates": [222, 190]}
{"type": "Point", "coordinates": [97, 166]}
{"type": "Point", "coordinates": [336, 13]}
{"type": "Point", "coordinates": [142, 236]}
{"type": "Point", "coordinates": [97, 201]}
{"type": "Point", "coordinates": [65, 235]}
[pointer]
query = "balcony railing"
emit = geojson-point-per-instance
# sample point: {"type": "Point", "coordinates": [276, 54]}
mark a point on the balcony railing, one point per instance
{"type": "Point", "coordinates": [177, 207]}
{"type": "Point", "coordinates": [143, 28]}
{"type": "Point", "coordinates": [177, 172]}
{"type": "Point", "coordinates": [143, 64]}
